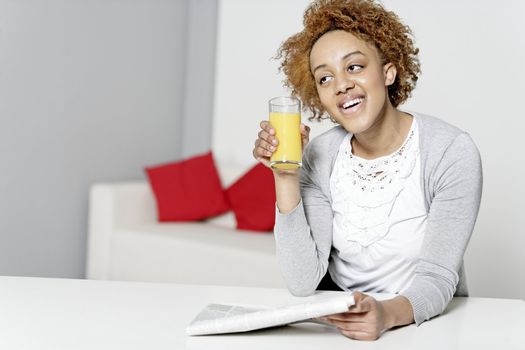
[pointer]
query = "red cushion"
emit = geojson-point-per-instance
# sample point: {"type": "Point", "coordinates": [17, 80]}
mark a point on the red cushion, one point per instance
{"type": "Point", "coordinates": [187, 190]}
{"type": "Point", "coordinates": [252, 198]}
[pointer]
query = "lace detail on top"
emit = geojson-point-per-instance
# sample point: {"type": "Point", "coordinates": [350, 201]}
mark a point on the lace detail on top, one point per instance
{"type": "Point", "coordinates": [364, 191]}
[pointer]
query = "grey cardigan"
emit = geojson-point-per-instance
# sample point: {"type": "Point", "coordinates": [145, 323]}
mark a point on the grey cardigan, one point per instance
{"type": "Point", "coordinates": [451, 177]}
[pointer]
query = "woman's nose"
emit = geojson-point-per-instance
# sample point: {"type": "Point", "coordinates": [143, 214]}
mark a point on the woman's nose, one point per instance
{"type": "Point", "coordinates": [343, 84]}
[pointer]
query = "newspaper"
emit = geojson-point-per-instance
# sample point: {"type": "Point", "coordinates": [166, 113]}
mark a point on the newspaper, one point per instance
{"type": "Point", "coordinates": [219, 319]}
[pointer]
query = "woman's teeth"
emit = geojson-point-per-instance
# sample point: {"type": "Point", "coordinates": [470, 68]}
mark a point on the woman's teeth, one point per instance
{"type": "Point", "coordinates": [353, 102]}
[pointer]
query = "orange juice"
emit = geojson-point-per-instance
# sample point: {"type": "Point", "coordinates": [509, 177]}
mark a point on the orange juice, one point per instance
{"type": "Point", "coordinates": [287, 156]}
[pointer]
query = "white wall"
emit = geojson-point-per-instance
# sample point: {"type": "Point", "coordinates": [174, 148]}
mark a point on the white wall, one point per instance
{"type": "Point", "coordinates": [472, 54]}
{"type": "Point", "coordinates": [90, 90]}
{"type": "Point", "coordinates": [199, 77]}
{"type": "Point", "coordinates": [249, 33]}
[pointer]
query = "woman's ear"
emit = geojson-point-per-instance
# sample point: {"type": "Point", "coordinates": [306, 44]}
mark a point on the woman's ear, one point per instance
{"type": "Point", "coordinates": [390, 73]}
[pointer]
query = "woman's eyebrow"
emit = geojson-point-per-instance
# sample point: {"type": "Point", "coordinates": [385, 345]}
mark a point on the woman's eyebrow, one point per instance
{"type": "Point", "coordinates": [357, 52]}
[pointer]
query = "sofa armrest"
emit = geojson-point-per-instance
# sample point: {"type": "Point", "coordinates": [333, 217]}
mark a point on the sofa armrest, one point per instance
{"type": "Point", "coordinates": [113, 206]}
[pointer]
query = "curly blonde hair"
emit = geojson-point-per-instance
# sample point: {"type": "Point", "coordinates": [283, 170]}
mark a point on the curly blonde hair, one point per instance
{"type": "Point", "coordinates": [367, 20]}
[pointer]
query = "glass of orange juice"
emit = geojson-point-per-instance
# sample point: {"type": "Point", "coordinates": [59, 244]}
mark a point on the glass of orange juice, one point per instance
{"type": "Point", "coordinates": [285, 118]}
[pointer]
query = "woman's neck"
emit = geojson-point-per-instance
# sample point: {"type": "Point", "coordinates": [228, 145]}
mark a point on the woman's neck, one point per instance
{"type": "Point", "coordinates": [384, 137]}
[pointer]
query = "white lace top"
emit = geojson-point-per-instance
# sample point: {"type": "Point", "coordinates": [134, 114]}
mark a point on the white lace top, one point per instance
{"type": "Point", "coordinates": [379, 217]}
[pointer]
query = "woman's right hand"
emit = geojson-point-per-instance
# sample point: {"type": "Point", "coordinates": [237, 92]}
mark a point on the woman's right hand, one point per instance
{"type": "Point", "coordinates": [266, 142]}
{"type": "Point", "coordinates": [287, 193]}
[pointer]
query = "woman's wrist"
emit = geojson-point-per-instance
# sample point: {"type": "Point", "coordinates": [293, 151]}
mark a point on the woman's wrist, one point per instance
{"type": "Point", "coordinates": [287, 191]}
{"type": "Point", "coordinates": [397, 312]}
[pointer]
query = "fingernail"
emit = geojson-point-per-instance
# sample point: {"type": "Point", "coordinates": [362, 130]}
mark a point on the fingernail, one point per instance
{"type": "Point", "coordinates": [274, 141]}
{"type": "Point", "coordinates": [272, 148]}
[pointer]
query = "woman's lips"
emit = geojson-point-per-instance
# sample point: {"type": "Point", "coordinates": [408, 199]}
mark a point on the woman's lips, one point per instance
{"type": "Point", "coordinates": [351, 105]}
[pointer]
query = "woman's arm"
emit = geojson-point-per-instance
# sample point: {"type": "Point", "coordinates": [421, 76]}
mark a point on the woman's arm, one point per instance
{"type": "Point", "coordinates": [451, 218]}
{"type": "Point", "coordinates": [304, 235]}
{"type": "Point", "coordinates": [287, 193]}
{"type": "Point", "coordinates": [303, 246]}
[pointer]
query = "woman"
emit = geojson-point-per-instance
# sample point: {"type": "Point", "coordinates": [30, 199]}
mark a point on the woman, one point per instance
{"type": "Point", "coordinates": [386, 201]}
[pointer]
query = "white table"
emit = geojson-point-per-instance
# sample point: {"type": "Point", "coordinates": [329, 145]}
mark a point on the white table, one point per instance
{"type": "Point", "coordinates": [45, 313]}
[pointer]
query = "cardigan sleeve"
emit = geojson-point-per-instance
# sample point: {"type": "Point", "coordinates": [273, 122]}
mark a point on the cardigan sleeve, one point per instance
{"type": "Point", "coordinates": [457, 186]}
{"type": "Point", "coordinates": [304, 236]}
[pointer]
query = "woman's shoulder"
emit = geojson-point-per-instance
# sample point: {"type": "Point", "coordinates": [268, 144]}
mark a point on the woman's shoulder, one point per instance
{"type": "Point", "coordinates": [436, 126]}
{"type": "Point", "coordinates": [435, 132]}
{"type": "Point", "coordinates": [438, 137]}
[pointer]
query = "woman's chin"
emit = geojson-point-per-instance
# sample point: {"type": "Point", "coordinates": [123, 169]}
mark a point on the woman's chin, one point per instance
{"type": "Point", "coordinates": [355, 125]}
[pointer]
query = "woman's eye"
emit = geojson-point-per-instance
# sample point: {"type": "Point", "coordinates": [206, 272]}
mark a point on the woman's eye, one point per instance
{"type": "Point", "coordinates": [354, 67]}
{"type": "Point", "coordinates": [324, 80]}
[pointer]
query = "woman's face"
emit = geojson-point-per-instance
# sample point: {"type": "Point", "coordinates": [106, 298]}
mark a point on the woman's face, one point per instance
{"type": "Point", "coordinates": [351, 80]}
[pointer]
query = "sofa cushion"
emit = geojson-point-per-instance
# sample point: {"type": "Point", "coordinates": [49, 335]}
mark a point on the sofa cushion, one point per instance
{"type": "Point", "coordinates": [187, 190]}
{"type": "Point", "coordinates": [252, 198]}
{"type": "Point", "coordinates": [194, 253]}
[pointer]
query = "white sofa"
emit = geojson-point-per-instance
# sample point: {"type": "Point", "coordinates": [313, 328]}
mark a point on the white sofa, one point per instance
{"type": "Point", "coordinates": [125, 242]}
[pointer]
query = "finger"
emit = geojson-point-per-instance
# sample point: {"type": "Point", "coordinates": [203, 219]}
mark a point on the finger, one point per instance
{"type": "Point", "coordinates": [359, 335]}
{"type": "Point", "coordinates": [352, 326]}
{"type": "Point", "coordinates": [305, 135]}
{"type": "Point", "coordinates": [263, 135]}
{"type": "Point", "coordinates": [361, 307]}
{"type": "Point", "coordinates": [305, 129]}
{"type": "Point", "coordinates": [262, 149]}
{"type": "Point", "coordinates": [262, 152]}
{"type": "Point", "coordinates": [265, 145]}
{"type": "Point", "coordinates": [348, 317]}
{"type": "Point", "coordinates": [358, 296]}
{"type": "Point", "coordinates": [363, 303]}
{"type": "Point", "coordinates": [265, 125]}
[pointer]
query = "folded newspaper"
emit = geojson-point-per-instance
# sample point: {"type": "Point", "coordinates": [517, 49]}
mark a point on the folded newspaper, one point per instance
{"type": "Point", "coordinates": [219, 319]}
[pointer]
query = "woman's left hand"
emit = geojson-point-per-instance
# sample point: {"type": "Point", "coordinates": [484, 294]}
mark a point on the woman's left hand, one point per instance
{"type": "Point", "coordinates": [363, 321]}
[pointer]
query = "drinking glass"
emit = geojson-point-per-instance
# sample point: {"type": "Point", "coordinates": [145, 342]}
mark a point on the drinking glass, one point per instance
{"type": "Point", "coordinates": [285, 118]}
